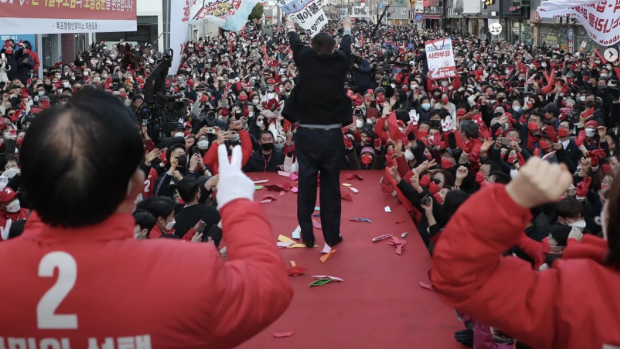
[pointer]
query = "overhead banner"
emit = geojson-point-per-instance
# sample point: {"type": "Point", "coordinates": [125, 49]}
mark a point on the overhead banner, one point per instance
{"type": "Point", "coordinates": [179, 24]}
{"type": "Point", "coordinates": [230, 15]}
{"type": "Point", "coordinates": [601, 19]}
{"type": "Point", "coordinates": [308, 14]}
{"type": "Point", "coordinates": [440, 59]}
{"type": "Point", "coordinates": [67, 16]}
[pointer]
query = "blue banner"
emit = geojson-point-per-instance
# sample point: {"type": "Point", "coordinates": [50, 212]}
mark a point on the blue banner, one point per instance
{"type": "Point", "coordinates": [16, 38]}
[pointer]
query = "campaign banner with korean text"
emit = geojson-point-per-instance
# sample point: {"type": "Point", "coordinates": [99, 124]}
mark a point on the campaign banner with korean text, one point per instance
{"type": "Point", "coordinates": [601, 19]}
{"type": "Point", "coordinates": [229, 15]}
{"type": "Point", "coordinates": [67, 16]}
{"type": "Point", "coordinates": [179, 24]}
{"type": "Point", "coordinates": [440, 59]}
{"type": "Point", "coordinates": [308, 14]}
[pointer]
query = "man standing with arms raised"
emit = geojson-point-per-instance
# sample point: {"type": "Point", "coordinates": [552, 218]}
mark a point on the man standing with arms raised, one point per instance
{"type": "Point", "coordinates": [321, 107]}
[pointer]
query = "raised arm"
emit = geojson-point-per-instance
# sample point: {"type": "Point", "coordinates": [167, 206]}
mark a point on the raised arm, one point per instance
{"type": "Point", "coordinates": [297, 46]}
{"type": "Point", "coordinates": [345, 43]}
{"type": "Point", "coordinates": [251, 289]}
{"type": "Point", "coordinates": [469, 273]}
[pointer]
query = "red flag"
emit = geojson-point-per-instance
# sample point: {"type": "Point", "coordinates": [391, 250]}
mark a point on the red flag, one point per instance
{"type": "Point", "coordinates": [361, 40]}
{"type": "Point", "coordinates": [395, 133]}
{"type": "Point", "coordinates": [266, 58]}
{"type": "Point", "coordinates": [231, 47]}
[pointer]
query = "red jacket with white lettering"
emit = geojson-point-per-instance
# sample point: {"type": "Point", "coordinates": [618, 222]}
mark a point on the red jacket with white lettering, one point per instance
{"type": "Point", "coordinates": [572, 305]}
{"type": "Point", "coordinates": [104, 283]}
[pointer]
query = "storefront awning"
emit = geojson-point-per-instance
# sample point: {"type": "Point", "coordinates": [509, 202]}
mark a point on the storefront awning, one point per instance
{"type": "Point", "coordinates": [431, 16]}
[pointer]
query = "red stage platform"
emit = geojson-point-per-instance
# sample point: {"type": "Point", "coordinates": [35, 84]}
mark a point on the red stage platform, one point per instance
{"type": "Point", "coordinates": [380, 304]}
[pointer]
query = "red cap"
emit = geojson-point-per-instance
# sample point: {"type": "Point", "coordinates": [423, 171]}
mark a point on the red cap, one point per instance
{"type": "Point", "coordinates": [591, 123]}
{"type": "Point", "coordinates": [7, 195]}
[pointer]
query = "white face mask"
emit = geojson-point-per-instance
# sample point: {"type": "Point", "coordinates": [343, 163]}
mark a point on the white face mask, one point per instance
{"type": "Point", "coordinates": [413, 87]}
{"type": "Point", "coordinates": [85, 73]}
{"type": "Point", "coordinates": [203, 145]}
{"type": "Point", "coordinates": [544, 65]}
{"type": "Point", "coordinates": [581, 225]}
{"type": "Point", "coordinates": [514, 173]}
{"type": "Point", "coordinates": [516, 107]}
{"type": "Point", "coordinates": [179, 134]}
{"type": "Point", "coordinates": [255, 101]}
{"type": "Point", "coordinates": [582, 98]}
{"type": "Point", "coordinates": [426, 106]}
{"type": "Point", "coordinates": [393, 85]}
{"type": "Point", "coordinates": [603, 75]}
{"type": "Point", "coordinates": [590, 132]}
{"type": "Point", "coordinates": [170, 225]}
{"type": "Point", "coordinates": [408, 155]}
{"type": "Point", "coordinates": [10, 173]}
{"type": "Point", "coordinates": [66, 84]}
{"type": "Point", "coordinates": [259, 123]}
{"type": "Point", "coordinates": [359, 123]}
{"type": "Point", "coordinates": [41, 93]}
{"type": "Point", "coordinates": [507, 71]}
{"type": "Point", "coordinates": [13, 207]}
{"type": "Point", "coordinates": [369, 122]}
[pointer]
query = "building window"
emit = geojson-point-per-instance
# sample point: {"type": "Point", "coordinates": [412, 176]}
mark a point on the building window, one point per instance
{"type": "Point", "coordinates": [147, 32]}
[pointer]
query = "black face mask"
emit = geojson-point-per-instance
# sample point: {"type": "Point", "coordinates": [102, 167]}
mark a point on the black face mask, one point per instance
{"type": "Point", "coordinates": [267, 146]}
{"type": "Point", "coordinates": [435, 123]}
{"type": "Point", "coordinates": [182, 160]}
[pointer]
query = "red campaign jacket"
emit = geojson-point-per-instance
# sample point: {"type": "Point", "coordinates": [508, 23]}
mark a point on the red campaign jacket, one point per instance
{"type": "Point", "coordinates": [35, 59]}
{"type": "Point", "coordinates": [572, 305]}
{"type": "Point", "coordinates": [149, 183]}
{"type": "Point", "coordinates": [181, 295]}
{"type": "Point", "coordinates": [210, 158]}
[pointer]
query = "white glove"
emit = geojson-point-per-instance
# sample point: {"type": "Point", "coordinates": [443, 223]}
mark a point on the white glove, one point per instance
{"type": "Point", "coordinates": [233, 184]}
{"type": "Point", "coordinates": [575, 233]}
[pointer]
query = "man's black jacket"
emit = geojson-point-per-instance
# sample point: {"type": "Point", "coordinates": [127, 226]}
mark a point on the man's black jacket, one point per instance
{"type": "Point", "coordinates": [319, 98]}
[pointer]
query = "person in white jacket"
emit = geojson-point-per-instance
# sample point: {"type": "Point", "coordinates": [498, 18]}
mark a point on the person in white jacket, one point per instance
{"type": "Point", "coordinates": [4, 67]}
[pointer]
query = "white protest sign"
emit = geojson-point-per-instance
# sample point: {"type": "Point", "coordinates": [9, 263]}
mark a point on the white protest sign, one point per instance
{"type": "Point", "coordinates": [440, 59]}
{"type": "Point", "coordinates": [308, 14]}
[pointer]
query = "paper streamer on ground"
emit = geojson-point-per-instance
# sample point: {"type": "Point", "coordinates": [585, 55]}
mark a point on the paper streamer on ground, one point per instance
{"type": "Point", "coordinates": [227, 14]}
{"type": "Point", "coordinates": [308, 14]}
{"type": "Point", "coordinates": [179, 23]}
{"type": "Point", "coordinates": [601, 19]}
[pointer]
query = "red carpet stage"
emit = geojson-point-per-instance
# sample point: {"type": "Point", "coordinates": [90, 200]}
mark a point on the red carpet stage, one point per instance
{"type": "Point", "coordinates": [380, 303]}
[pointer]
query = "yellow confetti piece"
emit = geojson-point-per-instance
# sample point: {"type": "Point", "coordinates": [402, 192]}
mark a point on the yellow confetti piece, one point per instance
{"type": "Point", "coordinates": [293, 264]}
{"type": "Point", "coordinates": [283, 238]}
{"type": "Point", "coordinates": [346, 184]}
{"type": "Point", "coordinates": [299, 246]}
